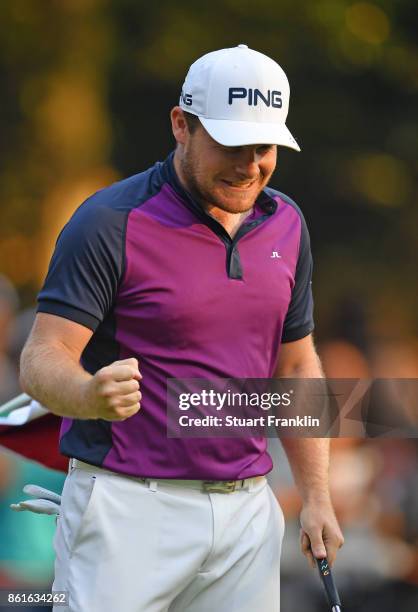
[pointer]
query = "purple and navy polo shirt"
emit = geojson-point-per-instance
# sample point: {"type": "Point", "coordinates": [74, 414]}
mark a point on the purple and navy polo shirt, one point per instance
{"type": "Point", "coordinates": [142, 265]}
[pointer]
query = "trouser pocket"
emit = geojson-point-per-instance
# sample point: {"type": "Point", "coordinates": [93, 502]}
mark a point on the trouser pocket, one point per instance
{"type": "Point", "coordinates": [77, 506]}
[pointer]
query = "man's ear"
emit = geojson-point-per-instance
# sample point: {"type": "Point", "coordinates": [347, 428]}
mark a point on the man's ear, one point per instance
{"type": "Point", "coordinates": [179, 125]}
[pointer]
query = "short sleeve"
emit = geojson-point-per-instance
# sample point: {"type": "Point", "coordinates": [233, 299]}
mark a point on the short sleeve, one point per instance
{"type": "Point", "coordinates": [299, 318]}
{"type": "Point", "coordinates": [86, 267]}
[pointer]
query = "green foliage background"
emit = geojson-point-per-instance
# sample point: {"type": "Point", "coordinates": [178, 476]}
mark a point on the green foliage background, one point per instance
{"type": "Point", "coordinates": [87, 86]}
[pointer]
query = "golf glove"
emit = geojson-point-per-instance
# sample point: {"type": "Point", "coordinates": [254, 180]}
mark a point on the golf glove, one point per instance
{"type": "Point", "coordinates": [45, 502]}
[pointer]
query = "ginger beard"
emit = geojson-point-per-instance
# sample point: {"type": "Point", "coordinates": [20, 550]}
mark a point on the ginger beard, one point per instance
{"type": "Point", "coordinates": [222, 177]}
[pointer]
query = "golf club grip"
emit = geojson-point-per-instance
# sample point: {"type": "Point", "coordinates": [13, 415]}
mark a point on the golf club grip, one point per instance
{"type": "Point", "coordinates": [328, 582]}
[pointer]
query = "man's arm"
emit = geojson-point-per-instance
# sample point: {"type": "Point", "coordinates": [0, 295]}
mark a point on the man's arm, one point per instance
{"type": "Point", "coordinates": [51, 373]}
{"type": "Point", "coordinates": [309, 460]}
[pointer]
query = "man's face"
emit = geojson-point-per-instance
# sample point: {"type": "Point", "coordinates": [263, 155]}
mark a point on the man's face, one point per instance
{"type": "Point", "coordinates": [229, 178]}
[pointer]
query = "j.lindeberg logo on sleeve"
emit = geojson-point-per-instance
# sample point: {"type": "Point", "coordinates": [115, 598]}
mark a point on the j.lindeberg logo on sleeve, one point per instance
{"type": "Point", "coordinates": [275, 255]}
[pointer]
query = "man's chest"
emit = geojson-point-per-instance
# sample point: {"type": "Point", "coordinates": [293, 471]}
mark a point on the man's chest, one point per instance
{"type": "Point", "coordinates": [177, 278]}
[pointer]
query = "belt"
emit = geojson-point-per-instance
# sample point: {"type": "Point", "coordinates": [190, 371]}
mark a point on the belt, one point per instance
{"type": "Point", "coordinates": [206, 486]}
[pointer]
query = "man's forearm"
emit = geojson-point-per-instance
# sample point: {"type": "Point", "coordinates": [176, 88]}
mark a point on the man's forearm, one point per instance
{"type": "Point", "coordinates": [308, 457]}
{"type": "Point", "coordinates": [309, 461]}
{"type": "Point", "coordinates": [54, 378]}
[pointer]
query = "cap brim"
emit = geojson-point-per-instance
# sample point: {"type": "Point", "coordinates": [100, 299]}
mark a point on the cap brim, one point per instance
{"type": "Point", "coordinates": [239, 133]}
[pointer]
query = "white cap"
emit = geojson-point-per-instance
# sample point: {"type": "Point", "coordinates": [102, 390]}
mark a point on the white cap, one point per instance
{"type": "Point", "coordinates": [241, 97]}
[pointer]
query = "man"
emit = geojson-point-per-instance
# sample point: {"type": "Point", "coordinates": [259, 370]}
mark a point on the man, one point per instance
{"type": "Point", "coordinates": [192, 269]}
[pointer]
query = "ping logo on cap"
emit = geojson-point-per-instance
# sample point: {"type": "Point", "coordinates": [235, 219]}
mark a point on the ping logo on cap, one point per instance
{"type": "Point", "coordinates": [186, 98]}
{"type": "Point", "coordinates": [273, 97]}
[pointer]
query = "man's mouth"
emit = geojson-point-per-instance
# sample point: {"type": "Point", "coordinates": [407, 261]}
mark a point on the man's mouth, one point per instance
{"type": "Point", "coordinates": [239, 185]}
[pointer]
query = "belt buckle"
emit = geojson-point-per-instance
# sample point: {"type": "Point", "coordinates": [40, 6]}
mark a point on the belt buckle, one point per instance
{"type": "Point", "coordinates": [226, 486]}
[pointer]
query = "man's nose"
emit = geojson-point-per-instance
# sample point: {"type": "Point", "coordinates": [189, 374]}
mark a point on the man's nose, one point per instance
{"type": "Point", "coordinates": [247, 164]}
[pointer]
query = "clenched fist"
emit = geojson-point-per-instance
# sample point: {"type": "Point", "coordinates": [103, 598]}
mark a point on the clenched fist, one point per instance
{"type": "Point", "coordinates": [113, 392]}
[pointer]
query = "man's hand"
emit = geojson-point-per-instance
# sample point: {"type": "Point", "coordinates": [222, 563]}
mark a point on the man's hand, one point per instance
{"type": "Point", "coordinates": [320, 534]}
{"type": "Point", "coordinates": [113, 392]}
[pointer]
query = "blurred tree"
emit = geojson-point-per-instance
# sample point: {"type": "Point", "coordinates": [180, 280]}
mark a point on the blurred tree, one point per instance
{"type": "Point", "coordinates": [88, 85]}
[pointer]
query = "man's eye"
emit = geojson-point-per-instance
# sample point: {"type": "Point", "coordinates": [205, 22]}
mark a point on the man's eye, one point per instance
{"type": "Point", "coordinates": [264, 149]}
{"type": "Point", "coordinates": [233, 150]}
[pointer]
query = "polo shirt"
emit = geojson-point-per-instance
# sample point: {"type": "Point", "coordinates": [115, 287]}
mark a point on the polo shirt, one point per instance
{"type": "Point", "coordinates": [143, 266]}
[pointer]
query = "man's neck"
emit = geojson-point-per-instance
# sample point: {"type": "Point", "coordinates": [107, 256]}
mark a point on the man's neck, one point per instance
{"type": "Point", "coordinates": [230, 221]}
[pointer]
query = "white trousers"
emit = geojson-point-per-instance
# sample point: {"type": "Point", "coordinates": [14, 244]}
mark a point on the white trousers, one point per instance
{"type": "Point", "coordinates": [123, 545]}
